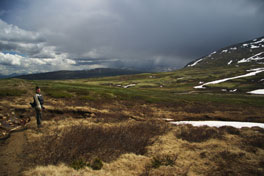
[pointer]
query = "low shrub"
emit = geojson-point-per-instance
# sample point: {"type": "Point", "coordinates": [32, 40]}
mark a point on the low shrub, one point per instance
{"type": "Point", "coordinates": [233, 163]}
{"type": "Point", "coordinates": [78, 164]}
{"type": "Point", "coordinates": [106, 143]}
{"type": "Point", "coordinates": [96, 164]}
{"type": "Point", "coordinates": [166, 160]}
{"type": "Point", "coordinates": [158, 161]}
{"type": "Point", "coordinates": [198, 134]}
{"type": "Point", "coordinates": [254, 141]}
{"type": "Point", "coordinates": [230, 130]}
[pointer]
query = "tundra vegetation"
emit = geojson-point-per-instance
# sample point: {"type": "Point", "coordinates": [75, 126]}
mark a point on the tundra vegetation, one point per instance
{"type": "Point", "coordinates": [116, 126]}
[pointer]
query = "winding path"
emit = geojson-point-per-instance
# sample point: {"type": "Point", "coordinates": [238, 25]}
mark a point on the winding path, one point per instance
{"type": "Point", "coordinates": [11, 152]}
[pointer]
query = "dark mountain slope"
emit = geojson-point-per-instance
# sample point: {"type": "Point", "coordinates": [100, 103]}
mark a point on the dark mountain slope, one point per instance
{"type": "Point", "coordinates": [242, 54]}
{"type": "Point", "coordinates": [61, 75]}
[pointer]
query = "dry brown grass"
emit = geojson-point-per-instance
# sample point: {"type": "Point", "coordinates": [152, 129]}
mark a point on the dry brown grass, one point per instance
{"type": "Point", "coordinates": [224, 152]}
{"type": "Point", "coordinates": [166, 154]}
{"type": "Point", "coordinates": [88, 142]}
{"type": "Point", "coordinates": [125, 165]}
{"type": "Point", "coordinates": [116, 132]}
{"type": "Point", "coordinates": [234, 163]}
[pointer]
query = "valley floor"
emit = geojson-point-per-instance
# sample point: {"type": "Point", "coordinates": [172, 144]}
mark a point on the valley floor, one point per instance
{"type": "Point", "coordinates": [130, 139]}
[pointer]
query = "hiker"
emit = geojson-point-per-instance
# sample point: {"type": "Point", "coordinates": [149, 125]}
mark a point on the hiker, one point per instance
{"type": "Point", "coordinates": [38, 105]}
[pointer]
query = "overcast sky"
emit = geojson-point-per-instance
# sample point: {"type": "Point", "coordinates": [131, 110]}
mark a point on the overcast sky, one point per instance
{"type": "Point", "coordinates": [47, 35]}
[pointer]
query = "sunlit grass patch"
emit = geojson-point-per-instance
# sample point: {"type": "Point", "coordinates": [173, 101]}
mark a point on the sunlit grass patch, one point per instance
{"type": "Point", "coordinates": [57, 93]}
{"type": "Point", "coordinates": [12, 92]}
{"type": "Point", "coordinates": [13, 87]}
{"type": "Point", "coordinates": [158, 88]}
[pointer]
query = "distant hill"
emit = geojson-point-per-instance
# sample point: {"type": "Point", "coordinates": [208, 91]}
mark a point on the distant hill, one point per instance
{"type": "Point", "coordinates": [9, 76]}
{"type": "Point", "coordinates": [249, 53]}
{"type": "Point", "coordinates": [65, 74]}
{"type": "Point", "coordinates": [2, 76]}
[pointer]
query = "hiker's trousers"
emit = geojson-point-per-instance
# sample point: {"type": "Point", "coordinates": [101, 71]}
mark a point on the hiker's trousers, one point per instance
{"type": "Point", "coordinates": [38, 116]}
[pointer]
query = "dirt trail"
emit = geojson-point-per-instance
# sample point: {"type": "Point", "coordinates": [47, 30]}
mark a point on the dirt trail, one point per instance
{"type": "Point", "coordinates": [11, 152]}
{"type": "Point", "coordinates": [11, 149]}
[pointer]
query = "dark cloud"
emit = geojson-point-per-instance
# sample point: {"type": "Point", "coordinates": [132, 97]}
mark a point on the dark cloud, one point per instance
{"type": "Point", "coordinates": [136, 33]}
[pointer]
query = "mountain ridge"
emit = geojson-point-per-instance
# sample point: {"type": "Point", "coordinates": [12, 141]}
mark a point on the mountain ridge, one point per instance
{"type": "Point", "coordinates": [250, 52]}
{"type": "Point", "coordinates": [78, 74]}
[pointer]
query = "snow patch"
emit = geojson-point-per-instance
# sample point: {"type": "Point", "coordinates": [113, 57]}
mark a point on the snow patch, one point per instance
{"type": "Point", "coordinates": [199, 87]}
{"type": "Point", "coordinates": [252, 58]}
{"type": "Point", "coordinates": [224, 51]}
{"type": "Point", "coordinates": [212, 54]}
{"type": "Point", "coordinates": [195, 63]}
{"type": "Point", "coordinates": [254, 46]}
{"type": "Point", "coordinates": [130, 85]}
{"type": "Point", "coordinates": [220, 124]}
{"type": "Point", "coordinates": [257, 42]}
{"type": "Point", "coordinates": [225, 90]}
{"type": "Point", "coordinates": [253, 72]}
{"type": "Point", "coordinates": [255, 69]}
{"type": "Point", "coordinates": [168, 120]}
{"type": "Point", "coordinates": [229, 62]}
{"type": "Point", "coordinates": [234, 48]}
{"type": "Point", "coordinates": [259, 92]}
{"type": "Point", "coordinates": [234, 90]}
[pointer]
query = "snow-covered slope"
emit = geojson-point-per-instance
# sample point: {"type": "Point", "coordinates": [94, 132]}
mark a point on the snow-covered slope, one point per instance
{"type": "Point", "coordinates": [235, 69]}
{"type": "Point", "coordinates": [246, 53]}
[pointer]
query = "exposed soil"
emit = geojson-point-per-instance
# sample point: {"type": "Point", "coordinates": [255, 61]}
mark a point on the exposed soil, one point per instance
{"type": "Point", "coordinates": [11, 154]}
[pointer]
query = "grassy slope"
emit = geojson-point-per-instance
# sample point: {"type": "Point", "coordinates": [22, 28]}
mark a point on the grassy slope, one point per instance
{"type": "Point", "coordinates": [169, 87]}
{"type": "Point", "coordinates": [117, 114]}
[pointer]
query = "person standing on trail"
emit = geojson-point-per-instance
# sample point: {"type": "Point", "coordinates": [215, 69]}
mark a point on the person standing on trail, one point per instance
{"type": "Point", "coordinates": [38, 105]}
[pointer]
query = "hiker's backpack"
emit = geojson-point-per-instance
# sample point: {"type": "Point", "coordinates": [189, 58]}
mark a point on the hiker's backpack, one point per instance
{"type": "Point", "coordinates": [41, 100]}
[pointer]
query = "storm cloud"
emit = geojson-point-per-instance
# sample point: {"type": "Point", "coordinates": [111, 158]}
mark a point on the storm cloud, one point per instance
{"type": "Point", "coordinates": [133, 33]}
